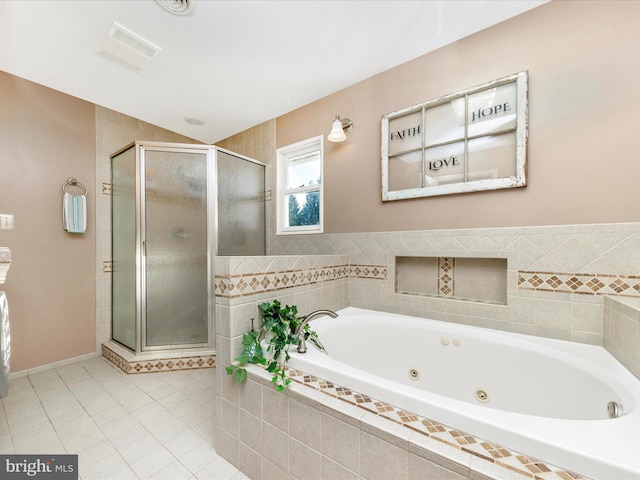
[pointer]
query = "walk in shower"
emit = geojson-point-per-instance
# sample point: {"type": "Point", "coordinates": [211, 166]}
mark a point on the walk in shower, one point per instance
{"type": "Point", "coordinates": [174, 207]}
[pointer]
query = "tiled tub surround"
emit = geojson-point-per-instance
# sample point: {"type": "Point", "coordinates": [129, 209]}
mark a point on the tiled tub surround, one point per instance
{"type": "Point", "coordinates": [565, 310]}
{"type": "Point", "coordinates": [320, 430]}
{"type": "Point", "coordinates": [266, 434]}
{"type": "Point", "coordinates": [544, 397]}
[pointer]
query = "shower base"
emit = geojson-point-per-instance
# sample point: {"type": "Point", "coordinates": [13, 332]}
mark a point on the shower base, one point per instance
{"type": "Point", "coordinates": [169, 361]}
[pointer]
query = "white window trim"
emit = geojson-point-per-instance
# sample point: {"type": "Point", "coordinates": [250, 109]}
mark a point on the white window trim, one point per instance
{"type": "Point", "coordinates": [282, 155]}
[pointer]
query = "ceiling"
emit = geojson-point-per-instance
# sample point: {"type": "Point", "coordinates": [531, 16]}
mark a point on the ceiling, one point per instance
{"type": "Point", "coordinates": [229, 64]}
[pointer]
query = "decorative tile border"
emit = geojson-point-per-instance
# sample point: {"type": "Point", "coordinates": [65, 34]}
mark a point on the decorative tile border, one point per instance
{"type": "Point", "coordinates": [169, 364]}
{"type": "Point", "coordinates": [446, 280]}
{"type": "Point", "coordinates": [372, 272]}
{"type": "Point", "coordinates": [582, 283]}
{"type": "Point", "coordinates": [233, 286]}
{"type": "Point", "coordinates": [495, 454]}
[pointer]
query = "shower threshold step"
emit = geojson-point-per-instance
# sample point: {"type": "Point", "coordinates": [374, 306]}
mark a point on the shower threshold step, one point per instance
{"type": "Point", "coordinates": [154, 362]}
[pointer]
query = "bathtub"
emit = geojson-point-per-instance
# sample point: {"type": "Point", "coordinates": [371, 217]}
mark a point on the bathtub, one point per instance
{"type": "Point", "coordinates": [541, 397]}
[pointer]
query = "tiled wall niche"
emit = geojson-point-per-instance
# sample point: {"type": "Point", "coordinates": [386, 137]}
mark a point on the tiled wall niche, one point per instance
{"type": "Point", "coordinates": [470, 279]}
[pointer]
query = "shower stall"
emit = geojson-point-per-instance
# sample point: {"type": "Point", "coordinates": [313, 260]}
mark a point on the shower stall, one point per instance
{"type": "Point", "coordinates": [174, 207]}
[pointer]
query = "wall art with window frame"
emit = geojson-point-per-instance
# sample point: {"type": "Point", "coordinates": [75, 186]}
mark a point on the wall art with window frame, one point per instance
{"type": "Point", "coordinates": [469, 141]}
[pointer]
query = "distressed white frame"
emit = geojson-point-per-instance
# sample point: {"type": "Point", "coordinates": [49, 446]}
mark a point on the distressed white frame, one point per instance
{"type": "Point", "coordinates": [521, 132]}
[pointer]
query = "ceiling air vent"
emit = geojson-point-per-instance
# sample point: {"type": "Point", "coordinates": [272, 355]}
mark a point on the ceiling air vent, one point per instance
{"type": "Point", "coordinates": [127, 48]}
{"type": "Point", "coordinates": [178, 7]}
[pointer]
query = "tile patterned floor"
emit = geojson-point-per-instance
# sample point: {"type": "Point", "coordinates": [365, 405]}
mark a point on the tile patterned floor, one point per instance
{"type": "Point", "coordinates": [157, 426]}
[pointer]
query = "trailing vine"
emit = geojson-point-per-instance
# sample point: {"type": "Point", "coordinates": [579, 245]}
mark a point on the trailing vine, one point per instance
{"type": "Point", "coordinates": [279, 330]}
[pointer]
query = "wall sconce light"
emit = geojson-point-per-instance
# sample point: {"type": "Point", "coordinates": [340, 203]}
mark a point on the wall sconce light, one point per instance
{"type": "Point", "coordinates": [340, 128]}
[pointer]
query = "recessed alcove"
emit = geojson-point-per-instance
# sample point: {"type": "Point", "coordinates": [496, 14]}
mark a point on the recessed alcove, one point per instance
{"type": "Point", "coordinates": [460, 278]}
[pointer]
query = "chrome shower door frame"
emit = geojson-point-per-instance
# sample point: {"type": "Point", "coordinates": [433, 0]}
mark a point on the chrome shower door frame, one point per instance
{"type": "Point", "coordinates": [141, 237]}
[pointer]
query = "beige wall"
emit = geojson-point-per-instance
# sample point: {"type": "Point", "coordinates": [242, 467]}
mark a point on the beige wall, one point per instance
{"type": "Point", "coordinates": [59, 283]}
{"type": "Point", "coordinates": [582, 59]}
{"type": "Point", "coordinates": [46, 137]}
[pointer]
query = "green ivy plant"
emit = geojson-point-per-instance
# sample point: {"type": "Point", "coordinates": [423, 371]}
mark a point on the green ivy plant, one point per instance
{"type": "Point", "coordinates": [279, 327]}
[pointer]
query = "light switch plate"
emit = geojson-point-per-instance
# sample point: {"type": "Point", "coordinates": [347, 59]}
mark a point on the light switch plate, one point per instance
{"type": "Point", "coordinates": [6, 222]}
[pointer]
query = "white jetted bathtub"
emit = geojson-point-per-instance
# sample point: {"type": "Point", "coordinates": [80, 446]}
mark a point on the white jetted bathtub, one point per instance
{"type": "Point", "coordinates": [546, 398]}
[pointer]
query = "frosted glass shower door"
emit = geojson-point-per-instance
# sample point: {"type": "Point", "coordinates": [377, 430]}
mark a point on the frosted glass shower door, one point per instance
{"type": "Point", "coordinates": [176, 309]}
{"type": "Point", "coordinates": [123, 248]}
{"type": "Point", "coordinates": [241, 206]}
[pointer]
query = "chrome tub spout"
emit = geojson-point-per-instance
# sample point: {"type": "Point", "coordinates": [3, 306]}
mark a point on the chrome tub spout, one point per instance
{"type": "Point", "coordinates": [302, 342]}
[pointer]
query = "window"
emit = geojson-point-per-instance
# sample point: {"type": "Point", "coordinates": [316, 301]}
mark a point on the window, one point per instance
{"type": "Point", "coordinates": [463, 142]}
{"type": "Point", "coordinates": [299, 187]}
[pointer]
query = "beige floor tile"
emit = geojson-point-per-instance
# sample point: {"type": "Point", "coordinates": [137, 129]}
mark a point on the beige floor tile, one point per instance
{"type": "Point", "coordinates": [121, 426]}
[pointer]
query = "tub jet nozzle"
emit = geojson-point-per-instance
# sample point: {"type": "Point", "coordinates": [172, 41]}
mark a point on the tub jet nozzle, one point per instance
{"type": "Point", "coordinates": [482, 396]}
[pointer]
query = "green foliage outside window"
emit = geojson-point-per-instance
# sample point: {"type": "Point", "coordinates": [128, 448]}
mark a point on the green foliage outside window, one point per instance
{"type": "Point", "coordinates": [308, 214]}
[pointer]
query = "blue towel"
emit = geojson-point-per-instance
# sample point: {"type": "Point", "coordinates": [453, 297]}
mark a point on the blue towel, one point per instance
{"type": "Point", "coordinates": [74, 213]}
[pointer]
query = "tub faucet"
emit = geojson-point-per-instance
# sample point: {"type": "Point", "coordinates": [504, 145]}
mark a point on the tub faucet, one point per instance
{"type": "Point", "coordinates": [302, 343]}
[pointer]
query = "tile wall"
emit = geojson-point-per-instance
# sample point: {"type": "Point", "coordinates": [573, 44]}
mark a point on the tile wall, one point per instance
{"type": "Point", "coordinates": [242, 283]}
{"type": "Point", "coordinates": [622, 330]}
{"type": "Point", "coordinates": [557, 276]}
{"type": "Point", "coordinates": [557, 280]}
{"type": "Point", "coordinates": [575, 283]}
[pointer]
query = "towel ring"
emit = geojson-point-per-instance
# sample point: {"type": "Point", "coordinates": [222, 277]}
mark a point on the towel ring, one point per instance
{"type": "Point", "coordinates": [72, 182]}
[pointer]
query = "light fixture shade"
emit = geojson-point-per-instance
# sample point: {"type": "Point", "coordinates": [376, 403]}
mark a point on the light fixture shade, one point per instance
{"type": "Point", "coordinates": [337, 132]}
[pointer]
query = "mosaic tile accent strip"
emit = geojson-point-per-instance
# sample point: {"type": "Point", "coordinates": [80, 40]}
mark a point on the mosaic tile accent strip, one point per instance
{"type": "Point", "coordinates": [116, 359]}
{"type": "Point", "coordinates": [581, 283]}
{"type": "Point", "coordinates": [233, 286]}
{"type": "Point", "coordinates": [374, 272]}
{"type": "Point", "coordinates": [159, 365]}
{"type": "Point", "coordinates": [446, 276]}
{"type": "Point", "coordinates": [498, 455]}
